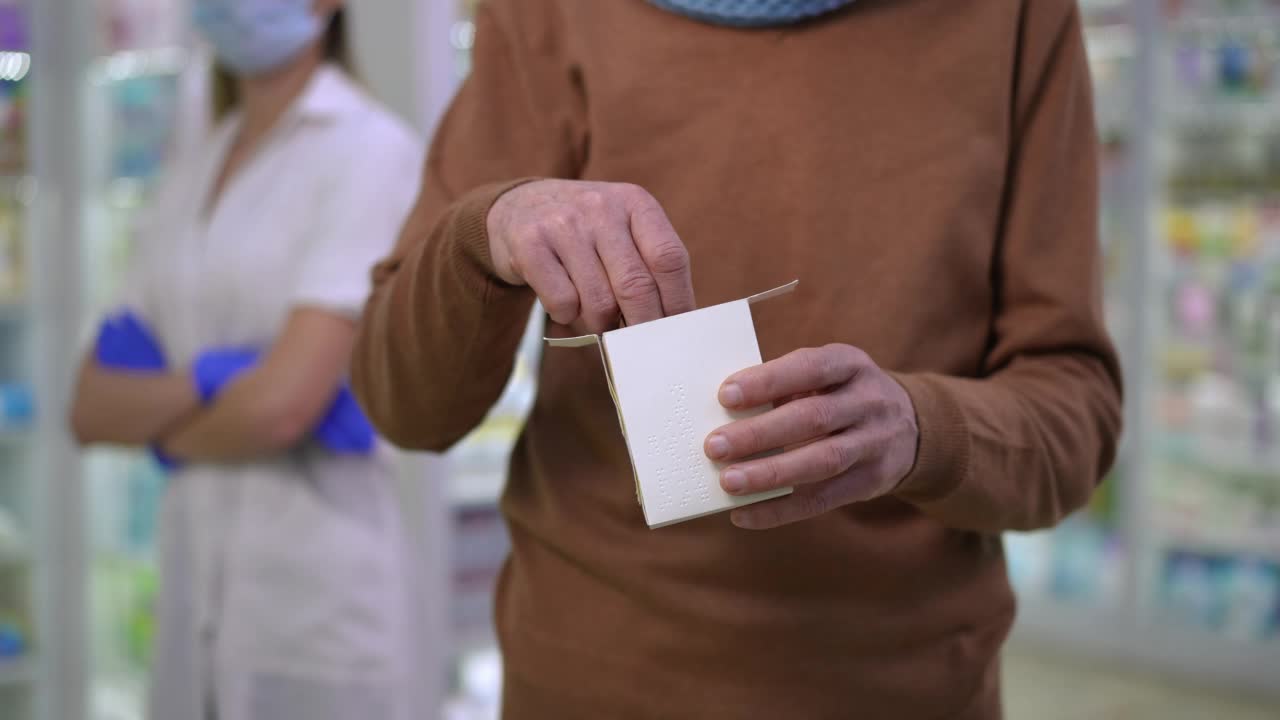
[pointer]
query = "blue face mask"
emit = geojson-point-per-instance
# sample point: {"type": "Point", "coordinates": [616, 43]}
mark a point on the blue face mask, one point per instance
{"type": "Point", "coordinates": [255, 36]}
{"type": "Point", "coordinates": [751, 13]}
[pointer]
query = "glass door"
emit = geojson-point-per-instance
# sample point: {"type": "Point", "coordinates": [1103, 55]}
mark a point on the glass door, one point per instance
{"type": "Point", "coordinates": [1194, 302]}
{"type": "Point", "coordinates": [135, 93]}
{"type": "Point", "coordinates": [18, 676]}
{"type": "Point", "coordinates": [1213, 563]}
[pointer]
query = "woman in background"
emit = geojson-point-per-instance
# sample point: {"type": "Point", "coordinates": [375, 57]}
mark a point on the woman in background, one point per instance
{"type": "Point", "coordinates": [282, 564]}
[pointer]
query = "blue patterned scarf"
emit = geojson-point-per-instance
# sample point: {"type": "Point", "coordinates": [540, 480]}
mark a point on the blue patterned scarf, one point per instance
{"type": "Point", "coordinates": [751, 13]}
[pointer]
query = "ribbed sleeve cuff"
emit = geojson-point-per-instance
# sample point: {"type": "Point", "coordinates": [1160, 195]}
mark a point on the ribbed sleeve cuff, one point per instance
{"type": "Point", "coordinates": [942, 452]}
{"type": "Point", "coordinates": [470, 229]}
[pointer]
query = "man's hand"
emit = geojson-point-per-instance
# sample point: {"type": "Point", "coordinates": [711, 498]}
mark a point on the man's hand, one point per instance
{"type": "Point", "coordinates": [845, 432]}
{"type": "Point", "coordinates": [590, 251]}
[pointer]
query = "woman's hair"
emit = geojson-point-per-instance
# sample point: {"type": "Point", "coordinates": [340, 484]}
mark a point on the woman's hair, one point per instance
{"type": "Point", "coordinates": [337, 50]}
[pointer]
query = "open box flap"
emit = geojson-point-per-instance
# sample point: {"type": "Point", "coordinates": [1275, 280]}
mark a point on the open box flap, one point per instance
{"type": "Point", "coordinates": [770, 294]}
{"type": "Point", "coordinates": [585, 340]}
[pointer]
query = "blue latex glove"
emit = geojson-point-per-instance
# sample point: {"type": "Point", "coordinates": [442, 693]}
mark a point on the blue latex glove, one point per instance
{"type": "Point", "coordinates": [165, 462]}
{"type": "Point", "coordinates": [344, 429]}
{"type": "Point", "coordinates": [211, 372]}
{"type": "Point", "coordinates": [213, 369]}
{"type": "Point", "coordinates": [125, 342]}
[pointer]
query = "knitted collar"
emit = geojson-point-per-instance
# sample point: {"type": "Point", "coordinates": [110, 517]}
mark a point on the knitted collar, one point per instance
{"type": "Point", "coordinates": [751, 13]}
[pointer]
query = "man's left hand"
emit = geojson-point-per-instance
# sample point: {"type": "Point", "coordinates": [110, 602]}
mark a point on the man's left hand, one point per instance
{"type": "Point", "coordinates": [842, 431]}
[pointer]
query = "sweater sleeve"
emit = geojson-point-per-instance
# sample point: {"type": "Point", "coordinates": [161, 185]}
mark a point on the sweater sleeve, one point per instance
{"type": "Point", "coordinates": [439, 333]}
{"type": "Point", "coordinates": [1027, 443]}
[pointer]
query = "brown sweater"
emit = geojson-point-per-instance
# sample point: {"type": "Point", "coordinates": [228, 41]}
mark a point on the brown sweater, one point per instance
{"type": "Point", "coordinates": [927, 169]}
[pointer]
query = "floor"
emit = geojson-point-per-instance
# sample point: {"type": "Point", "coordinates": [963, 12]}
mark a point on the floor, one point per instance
{"type": "Point", "coordinates": [1044, 687]}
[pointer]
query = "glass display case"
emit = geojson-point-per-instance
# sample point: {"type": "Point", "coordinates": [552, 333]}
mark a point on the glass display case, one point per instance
{"type": "Point", "coordinates": [1215, 486]}
{"type": "Point", "coordinates": [1178, 562]}
{"type": "Point", "coordinates": [134, 109]}
{"type": "Point", "coordinates": [94, 99]}
{"type": "Point", "coordinates": [88, 103]}
{"type": "Point", "coordinates": [18, 669]}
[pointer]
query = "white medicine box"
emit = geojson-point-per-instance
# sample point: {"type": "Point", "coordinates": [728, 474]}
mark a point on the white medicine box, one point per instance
{"type": "Point", "coordinates": [665, 377]}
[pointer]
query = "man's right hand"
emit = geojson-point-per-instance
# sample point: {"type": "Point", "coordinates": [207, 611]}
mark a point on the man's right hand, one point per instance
{"type": "Point", "coordinates": [591, 250]}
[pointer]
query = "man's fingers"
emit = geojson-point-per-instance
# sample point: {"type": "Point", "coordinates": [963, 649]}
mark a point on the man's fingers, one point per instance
{"type": "Point", "coordinates": [795, 422]}
{"type": "Point", "coordinates": [633, 285]}
{"type": "Point", "coordinates": [663, 252]}
{"type": "Point", "coordinates": [797, 372]}
{"type": "Point", "coordinates": [597, 306]}
{"type": "Point", "coordinates": [801, 465]}
{"type": "Point", "coordinates": [543, 272]}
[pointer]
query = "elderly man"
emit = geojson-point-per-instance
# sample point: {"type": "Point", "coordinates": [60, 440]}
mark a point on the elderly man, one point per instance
{"type": "Point", "coordinates": [927, 168]}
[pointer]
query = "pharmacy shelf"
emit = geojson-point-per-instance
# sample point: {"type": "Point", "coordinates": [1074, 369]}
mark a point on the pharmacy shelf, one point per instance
{"type": "Point", "coordinates": [1255, 24]}
{"type": "Point", "coordinates": [17, 671]}
{"type": "Point", "coordinates": [16, 438]}
{"type": "Point", "coordinates": [1199, 656]}
{"type": "Point", "coordinates": [1219, 540]}
{"type": "Point", "coordinates": [470, 490]}
{"type": "Point", "coordinates": [119, 696]}
{"type": "Point", "coordinates": [1111, 41]}
{"type": "Point", "coordinates": [12, 311]}
{"type": "Point", "coordinates": [1250, 115]}
{"type": "Point", "coordinates": [1091, 5]}
{"type": "Point", "coordinates": [1254, 470]}
{"type": "Point", "coordinates": [130, 64]}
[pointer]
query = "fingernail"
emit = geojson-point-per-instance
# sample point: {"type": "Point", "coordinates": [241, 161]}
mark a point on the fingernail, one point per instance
{"type": "Point", "coordinates": [735, 481]}
{"type": "Point", "coordinates": [742, 520]}
{"type": "Point", "coordinates": [730, 395]}
{"type": "Point", "coordinates": [718, 447]}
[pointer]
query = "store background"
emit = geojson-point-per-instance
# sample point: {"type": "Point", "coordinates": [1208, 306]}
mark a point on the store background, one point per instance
{"type": "Point", "coordinates": [1161, 600]}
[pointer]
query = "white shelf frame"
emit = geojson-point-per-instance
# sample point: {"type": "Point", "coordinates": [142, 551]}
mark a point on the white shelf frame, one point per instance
{"type": "Point", "coordinates": [1110, 634]}
{"type": "Point", "coordinates": [61, 38]}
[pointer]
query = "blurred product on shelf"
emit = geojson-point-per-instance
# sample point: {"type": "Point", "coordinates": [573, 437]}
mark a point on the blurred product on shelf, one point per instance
{"type": "Point", "coordinates": [13, 120]}
{"type": "Point", "coordinates": [479, 685]}
{"type": "Point", "coordinates": [1236, 596]}
{"type": "Point", "coordinates": [1083, 562]}
{"type": "Point", "coordinates": [13, 26]}
{"type": "Point", "coordinates": [13, 643]}
{"type": "Point", "coordinates": [12, 269]}
{"type": "Point", "coordinates": [125, 489]}
{"type": "Point", "coordinates": [143, 110]}
{"type": "Point", "coordinates": [1234, 67]}
{"type": "Point", "coordinates": [462, 36]}
{"type": "Point", "coordinates": [13, 547]}
{"type": "Point", "coordinates": [480, 547]}
{"type": "Point", "coordinates": [15, 64]}
{"type": "Point", "coordinates": [132, 24]}
{"type": "Point", "coordinates": [17, 407]}
{"type": "Point", "coordinates": [13, 580]}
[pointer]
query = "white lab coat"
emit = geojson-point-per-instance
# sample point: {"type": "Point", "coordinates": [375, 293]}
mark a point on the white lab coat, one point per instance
{"type": "Point", "coordinates": [285, 587]}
